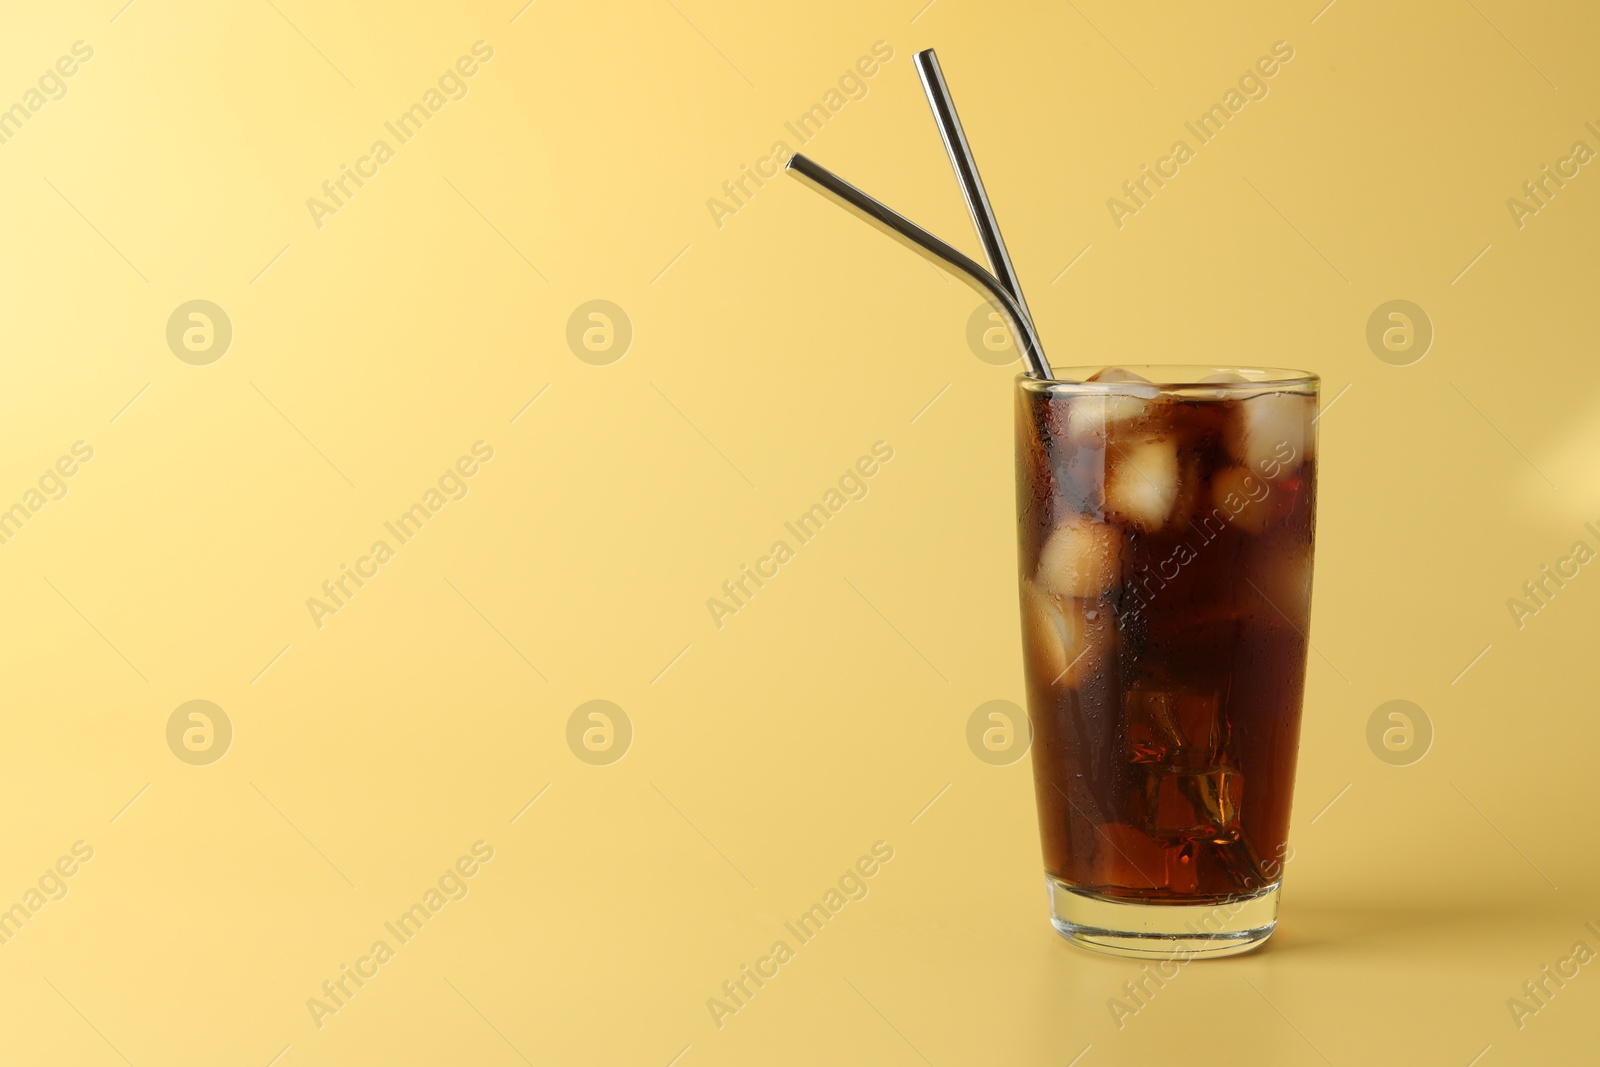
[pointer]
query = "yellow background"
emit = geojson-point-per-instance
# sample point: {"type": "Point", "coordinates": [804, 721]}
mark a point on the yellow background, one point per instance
{"type": "Point", "coordinates": [768, 354]}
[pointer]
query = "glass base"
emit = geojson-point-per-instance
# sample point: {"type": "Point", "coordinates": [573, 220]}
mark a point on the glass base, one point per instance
{"type": "Point", "coordinates": [1165, 931]}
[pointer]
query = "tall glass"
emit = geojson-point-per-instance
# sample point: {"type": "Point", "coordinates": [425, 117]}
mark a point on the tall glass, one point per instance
{"type": "Point", "coordinates": [1165, 521]}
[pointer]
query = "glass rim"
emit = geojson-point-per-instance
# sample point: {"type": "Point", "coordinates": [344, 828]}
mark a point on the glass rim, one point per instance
{"type": "Point", "coordinates": [1170, 379]}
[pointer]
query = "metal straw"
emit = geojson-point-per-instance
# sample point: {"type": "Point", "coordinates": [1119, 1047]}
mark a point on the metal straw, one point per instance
{"type": "Point", "coordinates": [937, 252]}
{"type": "Point", "coordinates": [966, 168]}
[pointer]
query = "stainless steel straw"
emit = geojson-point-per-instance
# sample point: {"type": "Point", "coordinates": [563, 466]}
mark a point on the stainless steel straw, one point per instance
{"type": "Point", "coordinates": [966, 168]}
{"type": "Point", "coordinates": [931, 248]}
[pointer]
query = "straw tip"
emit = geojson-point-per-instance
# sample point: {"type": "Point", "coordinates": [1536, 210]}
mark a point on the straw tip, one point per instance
{"type": "Point", "coordinates": [924, 57]}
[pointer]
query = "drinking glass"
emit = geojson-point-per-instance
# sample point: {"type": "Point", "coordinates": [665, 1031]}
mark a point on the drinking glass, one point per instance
{"type": "Point", "coordinates": [1165, 520]}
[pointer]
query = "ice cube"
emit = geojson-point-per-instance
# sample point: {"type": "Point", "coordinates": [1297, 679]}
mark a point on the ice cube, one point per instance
{"type": "Point", "coordinates": [1043, 633]}
{"type": "Point", "coordinates": [1172, 726]}
{"type": "Point", "coordinates": [1273, 432]}
{"type": "Point", "coordinates": [1221, 378]}
{"type": "Point", "coordinates": [1121, 376]}
{"type": "Point", "coordinates": [1083, 479]}
{"type": "Point", "coordinates": [1200, 805]}
{"type": "Point", "coordinates": [1065, 638]}
{"type": "Point", "coordinates": [1128, 397]}
{"type": "Point", "coordinates": [1093, 414]}
{"type": "Point", "coordinates": [1143, 483]}
{"type": "Point", "coordinates": [1283, 579]}
{"type": "Point", "coordinates": [1082, 558]}
{"type": "Point", "coordinates": [1241, 498]}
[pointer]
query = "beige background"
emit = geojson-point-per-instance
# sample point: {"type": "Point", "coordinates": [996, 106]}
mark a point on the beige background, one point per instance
{"type": "Point", "coordinates": [768, 353]}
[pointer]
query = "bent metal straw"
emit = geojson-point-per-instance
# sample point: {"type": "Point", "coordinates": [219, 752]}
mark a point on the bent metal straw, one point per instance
{"type": "Point", "coordinates": [966, 168]}
{"type": "Point", "coordinates": [931, 248]}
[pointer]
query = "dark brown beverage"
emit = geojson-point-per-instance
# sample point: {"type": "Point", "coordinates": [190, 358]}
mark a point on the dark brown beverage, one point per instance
{"type": "Point", "coordinates": [1165, 536]}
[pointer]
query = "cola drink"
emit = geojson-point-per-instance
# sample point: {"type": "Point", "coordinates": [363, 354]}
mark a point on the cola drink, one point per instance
{"type": "Point", "coordinates": [1165, 529]}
